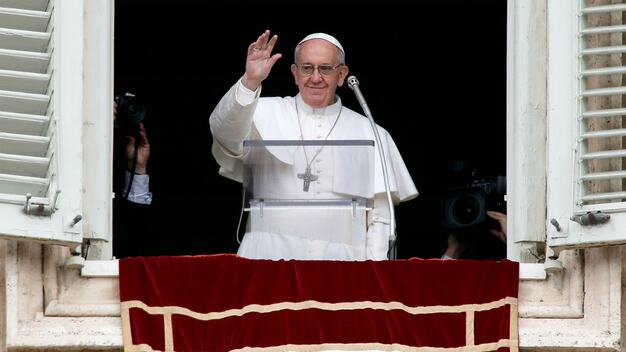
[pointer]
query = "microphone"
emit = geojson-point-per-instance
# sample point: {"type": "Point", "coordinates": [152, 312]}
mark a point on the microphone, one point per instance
{"type": "Point", "coordinates": [353, 83]}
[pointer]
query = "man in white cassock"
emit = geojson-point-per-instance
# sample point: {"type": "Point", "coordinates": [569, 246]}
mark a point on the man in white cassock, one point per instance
{"type": "Point", "coordinates": [316, 113]}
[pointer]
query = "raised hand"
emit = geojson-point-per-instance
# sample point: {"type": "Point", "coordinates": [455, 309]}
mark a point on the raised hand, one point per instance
{"type": "Point", "coordinates": [260, 60]}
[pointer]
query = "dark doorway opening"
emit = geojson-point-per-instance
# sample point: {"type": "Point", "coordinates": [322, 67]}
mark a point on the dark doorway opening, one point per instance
{"type": "Point", "coordinates": [433, 74]}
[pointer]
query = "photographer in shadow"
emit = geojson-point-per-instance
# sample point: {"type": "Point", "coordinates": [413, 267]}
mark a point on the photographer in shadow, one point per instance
{"type": "Point", "coordinates": [479, 243]}
{"type": "Point", "coordinates": [474, 218]}
{"type": "Point", "coordinates": [131, 182]}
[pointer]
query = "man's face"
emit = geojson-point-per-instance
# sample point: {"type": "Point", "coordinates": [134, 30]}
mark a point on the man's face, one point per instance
{"type": "Point", "coordinates": [318, 89]}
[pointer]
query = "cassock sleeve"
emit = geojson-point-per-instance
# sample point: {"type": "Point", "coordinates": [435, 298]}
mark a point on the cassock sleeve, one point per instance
{"type": "Point", "coordinates": [402, 189]}
{"type": "Point", "coordinates": [231, 123]}
{"type": "Point", "coordinates": [400, 181]}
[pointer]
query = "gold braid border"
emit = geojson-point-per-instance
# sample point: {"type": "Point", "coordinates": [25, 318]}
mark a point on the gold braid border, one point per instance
{"type": "Point", "coordinates": [469, 309]}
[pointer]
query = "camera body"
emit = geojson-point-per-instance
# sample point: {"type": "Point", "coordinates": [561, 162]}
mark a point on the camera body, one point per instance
{"type": "Point", "coordinates": [130, 112]}
{"type": "Point", "coordinates": [466, 206]}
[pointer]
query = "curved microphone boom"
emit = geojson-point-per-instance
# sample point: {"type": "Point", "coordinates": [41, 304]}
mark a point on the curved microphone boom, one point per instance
{"type": "Point", "coordinates": [353, 83]}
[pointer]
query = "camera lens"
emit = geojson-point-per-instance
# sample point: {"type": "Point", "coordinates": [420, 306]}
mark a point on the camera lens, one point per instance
{"type": "Point", "coordinates": [135, 113]}
{"type": "Point", "coordinates": [466, 209]}
{"type": "Point", "coordinates": [130, 112]}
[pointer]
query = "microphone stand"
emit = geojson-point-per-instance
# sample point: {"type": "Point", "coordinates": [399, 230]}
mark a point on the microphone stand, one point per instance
{"type": "Point", "coordinates": [353, 83]}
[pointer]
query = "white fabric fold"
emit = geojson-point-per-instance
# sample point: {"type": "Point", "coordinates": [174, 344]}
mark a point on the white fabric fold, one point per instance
{"type": "Point", "coordinates": [340, 171]}
{"type": "Point", "coordinates": [275, 118]}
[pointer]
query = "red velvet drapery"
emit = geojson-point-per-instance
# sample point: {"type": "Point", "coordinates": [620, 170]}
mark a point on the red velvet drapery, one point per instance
{"type": "Point", "coordinates": [225, 303]}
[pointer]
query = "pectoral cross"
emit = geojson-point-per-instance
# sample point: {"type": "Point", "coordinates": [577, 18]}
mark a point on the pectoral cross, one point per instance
{"type": "Point", "coordinates": [307, 177]}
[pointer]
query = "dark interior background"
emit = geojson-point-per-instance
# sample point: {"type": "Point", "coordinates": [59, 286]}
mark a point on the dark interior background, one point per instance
{"type": "Point", "coordinates": [433, 74]}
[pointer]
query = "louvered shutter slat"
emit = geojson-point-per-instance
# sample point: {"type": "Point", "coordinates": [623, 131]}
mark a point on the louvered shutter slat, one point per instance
{"type": "Point", "coordinates": [604, 113]}
{"type": "Point", "coordinates": [24, 185]}
{"type": "Point", "coordinates": [604, 154]}
{"type": "Point", "coordinates": [604, 8]}
{"type": "Point", "coordinates": [604, 196]}
{"type": "Point", "coordinates": [24, 144]}
{"type": "Point", "coordinates": [604, 30]}
{"type": "Point", "coordinates": [23, 123]}
{"type": "Point", "coordinates": [604, 50]}
{"type": "Point", "coordinates": [25, 61]}
{"type": "Point", "coordinates": [35, 5]}
{"type": "Point", "coordinates": [604, 175]}
{"type": "Point", "coordinates": [26, 82]}
{"type": "Point", "coordinates": [23, 103]}
{"type": "Point", "coordinates": [28, 20]}
{"type": "Point", "coordinates": [603, 91]}
{"type": "Point", "coordinates": [24, 165]}
{"type": "Point", "coordinates": [15, 39]}
{"type": "Point", "coordinates": [604, 133]}
{"type": "Point", "coordinates": [604, 71]}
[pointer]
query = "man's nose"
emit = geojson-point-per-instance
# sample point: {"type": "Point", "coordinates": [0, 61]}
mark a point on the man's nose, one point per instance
{"type": "Point", "coordinates": [316, 76]}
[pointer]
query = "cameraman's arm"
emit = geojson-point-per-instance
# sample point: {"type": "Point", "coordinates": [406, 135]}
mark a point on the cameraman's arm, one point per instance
{"type": "Point", "coordinates": [454, 249]}
{"type": "Point", "coordinates": [139, 191]}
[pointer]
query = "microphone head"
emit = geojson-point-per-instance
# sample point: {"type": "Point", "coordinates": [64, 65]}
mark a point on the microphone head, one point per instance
{"type": "Point", "coordinates": [352, 82]}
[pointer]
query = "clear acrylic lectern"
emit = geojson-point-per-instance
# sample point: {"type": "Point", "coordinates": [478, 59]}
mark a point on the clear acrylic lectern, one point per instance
{"type": "Point", "coordinates": [314, 189]}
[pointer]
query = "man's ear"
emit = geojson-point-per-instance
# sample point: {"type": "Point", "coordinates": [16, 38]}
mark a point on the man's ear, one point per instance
{"type": "Point", "coordinates": [294, 72]}
{"type": "Point", "coordinates": [343, 73]}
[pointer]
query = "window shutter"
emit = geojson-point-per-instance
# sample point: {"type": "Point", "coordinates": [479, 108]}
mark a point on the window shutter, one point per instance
{"type": "Point", "coordinates": [587, 123]}
{"type": "Point", "coordinates": [40, 121]}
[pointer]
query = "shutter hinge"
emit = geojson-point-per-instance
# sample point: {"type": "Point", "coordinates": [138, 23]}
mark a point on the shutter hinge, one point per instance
{"type": "Point", "coordinates": [556, 224]}
{"type": "Point", "coordinates": [595, 218]}
{"type": "Point", "coordinates": [39, 208]}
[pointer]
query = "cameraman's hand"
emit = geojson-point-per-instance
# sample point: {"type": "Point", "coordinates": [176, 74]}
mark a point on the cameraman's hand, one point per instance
{"type": "Point", "coordinates": [501, 219]}
{"type": "Point", "coordinates": [143, 151]}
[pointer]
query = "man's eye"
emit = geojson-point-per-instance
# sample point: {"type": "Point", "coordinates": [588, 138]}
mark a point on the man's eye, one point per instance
{"type": "Point", "coordinates": [325, 68]}
{"type": "Point", "coordinates": [307, 68]}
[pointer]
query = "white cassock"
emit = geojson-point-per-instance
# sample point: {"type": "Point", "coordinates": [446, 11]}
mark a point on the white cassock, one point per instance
{"type": "Point", "coordinates": [241, 115]}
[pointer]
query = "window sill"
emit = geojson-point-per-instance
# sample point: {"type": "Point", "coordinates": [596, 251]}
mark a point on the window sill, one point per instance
{"type": "Point", "coordinates": [100, 268]}
{"type": "Point", "coordinates": [110, 268]}
{"type": "Point", "coordinates": [532, 271]}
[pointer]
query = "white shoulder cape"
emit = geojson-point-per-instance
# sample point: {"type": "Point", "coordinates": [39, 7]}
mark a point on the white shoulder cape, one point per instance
{"type": "Point", "coordinates": [275, 119]}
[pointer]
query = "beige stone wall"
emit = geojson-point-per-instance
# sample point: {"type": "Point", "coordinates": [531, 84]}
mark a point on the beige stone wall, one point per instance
{"type": "Point", "coordinates": [50, 307]}
{"type": "Point", "coordinates": [579, 306]}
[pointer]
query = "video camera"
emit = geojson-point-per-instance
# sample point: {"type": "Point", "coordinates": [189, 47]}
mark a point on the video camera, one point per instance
{"type": "Point", "coordinates": [130, 112]}
{"type": "Point", "coordinates": [465, 206]}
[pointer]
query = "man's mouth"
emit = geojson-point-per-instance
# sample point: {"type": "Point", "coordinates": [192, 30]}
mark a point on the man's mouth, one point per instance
{"type": "Point", "coordinates": [316, 88]}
